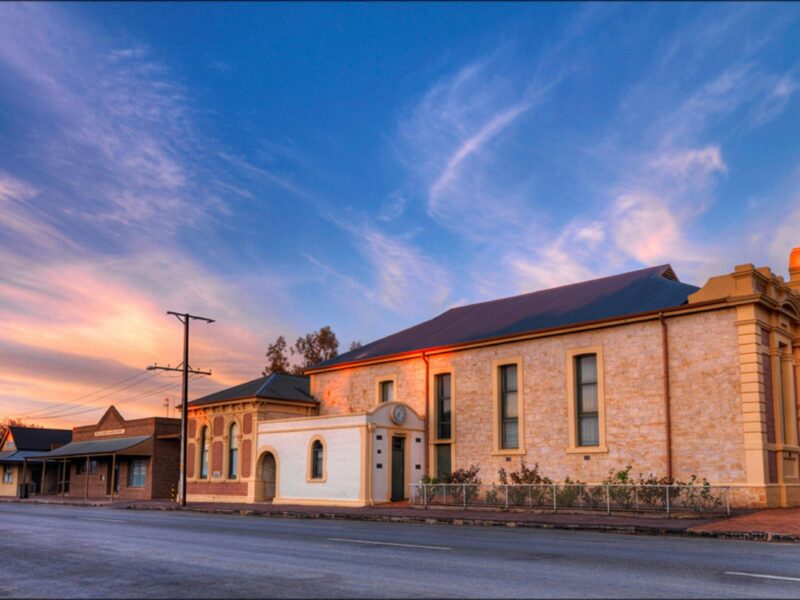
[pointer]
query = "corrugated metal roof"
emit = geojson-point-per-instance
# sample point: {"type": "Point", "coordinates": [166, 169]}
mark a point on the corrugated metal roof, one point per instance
{"type": "Point", "coordinates": [18, 456]}
{"type": "Point", "coordinates": [98, 446]}
{"type": "Point", "coordinates": [278, 386]}
{"type": "Point", "coordinates": [34, 438]}
{"type": "Point", "coordinates": [645, 290]}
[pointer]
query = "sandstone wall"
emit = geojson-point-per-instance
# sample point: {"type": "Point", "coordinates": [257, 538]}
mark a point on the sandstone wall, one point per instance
{"type": "Point", "coordinates": [706, 403]}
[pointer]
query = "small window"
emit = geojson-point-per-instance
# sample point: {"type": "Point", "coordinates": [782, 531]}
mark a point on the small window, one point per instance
{"type": "Point", "coordinates": [387, 391]}
{"type": "Point", "coordinates": [509, 415]}
{"type": "Point", "coordinates": [137, 473]}
{"type": "Point", "coordinates": [317, 457]}
{"type": "Point", "coordinates": [80, 467]}
{"type": "Point", "coordinates": [8, 473]}
{"type": "Point", "coordinates": [233, 451]}
{"type": "Point", "coordinates": [587, 404]}
{"type": "Point", "coordinates": [443, 406]}
{"type": "Point", "coordinates": [204, 453]}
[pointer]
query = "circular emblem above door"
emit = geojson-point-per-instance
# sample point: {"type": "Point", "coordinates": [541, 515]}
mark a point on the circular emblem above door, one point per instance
{"type": "Point", "coordinates": [399, 414]}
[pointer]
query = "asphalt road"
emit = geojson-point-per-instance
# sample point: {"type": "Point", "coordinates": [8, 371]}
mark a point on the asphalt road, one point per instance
{"type": "Point", "coordinates": [66, 551]}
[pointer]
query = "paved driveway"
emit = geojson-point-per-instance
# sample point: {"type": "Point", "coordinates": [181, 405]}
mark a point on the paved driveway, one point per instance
{"type": "Point", "coordinates": [66, 551]}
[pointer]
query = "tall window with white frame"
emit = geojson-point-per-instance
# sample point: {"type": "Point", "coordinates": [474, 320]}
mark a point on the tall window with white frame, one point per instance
{"type": "Point", "coordinates": [233, 451]}
{"type": "Point", "coordinates": [317, 458]}
{"type": "Point", "coordinates": [443, 412]}
{"type": "Point", "coordinates": [387, 391]}
{"type": "Point", "coordinates": [509, 408]}
{"type": "Point", "coordinates": [204, 453]}
{"type": "Point", "coordinates": [8, 473]}
{"type": "Point", "coordinates": [586, 400]}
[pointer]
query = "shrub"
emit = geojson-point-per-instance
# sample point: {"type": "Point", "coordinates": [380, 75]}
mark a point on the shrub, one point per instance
{"type": "Point", "coordinates": [526, 476]}
{"type": "Point", "coordinates": [569, 492]}
{"type": "Point", "coordinates": [460, 476]}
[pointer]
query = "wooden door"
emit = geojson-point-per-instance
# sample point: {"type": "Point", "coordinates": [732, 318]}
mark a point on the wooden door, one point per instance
{"type": "Point", "coordinates": [268, 475]}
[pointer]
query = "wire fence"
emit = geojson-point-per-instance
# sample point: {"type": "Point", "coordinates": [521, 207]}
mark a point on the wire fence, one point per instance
{"type": "Point", "coordinates": [701, 499]}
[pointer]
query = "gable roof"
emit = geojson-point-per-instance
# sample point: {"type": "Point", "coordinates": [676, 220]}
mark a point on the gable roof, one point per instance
{"type": "Point", "coordinates": [32, 438]}
{"type": "Point", "coordinates": [641, 291]}
{"type": "Point", "coordinates": [278, 386]}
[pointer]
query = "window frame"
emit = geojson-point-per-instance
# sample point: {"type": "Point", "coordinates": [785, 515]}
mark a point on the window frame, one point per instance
{"type": "Point", "coordinates": [433, 420]}
{"type": "Point", "coordinates": [310, 460]}
{"type": "Point", "coordinates": [203, 446]}
{"type": "Point", "coordinates": [8, 474]}
{"type": "Point", "coordinates": [574, 446]}
{"type": "Point", "coordinates": [497, 414]}
{"type": "Point", "coordinates": [438, 377]}
{"type": "Point", "coordinates": [232, 469]}
{"type": "Point", "coordinates": [379, 381]}
{"type": "Point", "coordinates": [580, 412]}
{"type": "Point", "coordinates": [130, 481]}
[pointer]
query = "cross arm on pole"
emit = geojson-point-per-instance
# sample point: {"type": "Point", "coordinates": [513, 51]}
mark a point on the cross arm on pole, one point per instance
{"type": "Point", "coordinates": [157, 367]}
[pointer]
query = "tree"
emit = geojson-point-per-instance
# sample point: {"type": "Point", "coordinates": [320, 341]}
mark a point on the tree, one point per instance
{"type": "Point", "coordinates": [311, 349]}
{"type": "Point", "coordinates": [8, 422]}
{"type": "Point", "coordinates": [355, 345]}
{"type": "Point", "coordinates": [315, 347]}
{"type": "Point", "coordinates": [278, 361]}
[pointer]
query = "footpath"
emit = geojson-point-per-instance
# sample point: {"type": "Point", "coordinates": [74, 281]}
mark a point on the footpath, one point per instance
{"type": "Point", "coordinates": [780, 524]}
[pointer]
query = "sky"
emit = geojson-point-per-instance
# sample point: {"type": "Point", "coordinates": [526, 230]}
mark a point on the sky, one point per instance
{"type": "Point", "coordinates": [283, 166]}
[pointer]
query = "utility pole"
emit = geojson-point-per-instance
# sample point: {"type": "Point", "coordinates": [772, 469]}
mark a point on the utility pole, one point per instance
{"type": "Point", "coordinates": [185, 369]}
{"type": "Point", "coordinates": [166, 406]}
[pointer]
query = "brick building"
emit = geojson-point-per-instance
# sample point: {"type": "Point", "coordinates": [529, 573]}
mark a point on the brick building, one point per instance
{"type": "Point", "coordinates": [119, 458]}
{"type": "Point", "coordinates": [222, 430]}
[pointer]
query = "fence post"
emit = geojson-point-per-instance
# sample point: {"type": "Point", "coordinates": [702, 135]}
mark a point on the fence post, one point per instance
{"type": "Point", "coordinates": [666, 487]}
{"type": "Point", "coordinates": [728, 501]}
{"type": "Point", "coordinates": [608, 501]}
{"type": "Point", "coordinates": [555, 501]}
{"type": "Point", "coordinates": [530, 496]}
{"type": "Point", "coordinates": [580, 497]}
{"type": "Point", "coordinates": [425, 494]}
{"type": "Point", "coordinates": [506, 490]}
{"type": "Point", "coordinates": [465, 496]}
{"type": "Point", "coordinates": [636, 498]}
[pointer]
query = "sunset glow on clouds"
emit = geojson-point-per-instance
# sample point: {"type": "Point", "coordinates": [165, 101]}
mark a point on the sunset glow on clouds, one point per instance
{"type": "Point", "coordinates": [283, 167]}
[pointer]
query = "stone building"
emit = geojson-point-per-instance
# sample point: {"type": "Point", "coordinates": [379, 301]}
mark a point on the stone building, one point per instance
{"type": "Point", "coordinates": [634, 369]}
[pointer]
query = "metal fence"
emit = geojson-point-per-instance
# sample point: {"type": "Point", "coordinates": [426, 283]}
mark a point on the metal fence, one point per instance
{"type": "Point", "coordinates": [669, 499]}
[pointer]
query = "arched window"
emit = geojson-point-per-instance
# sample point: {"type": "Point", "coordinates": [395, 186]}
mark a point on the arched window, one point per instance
{"type": "Point", "coordinates": [233, 451]}
{"type": "Point", "coordinates": [204, 453]}
{"type": "Point", "coordinates": [317, 458]}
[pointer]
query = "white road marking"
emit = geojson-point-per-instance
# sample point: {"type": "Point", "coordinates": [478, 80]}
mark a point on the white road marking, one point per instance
{"type": "Point", "coordinates": [760, 576]}
{"type": "Point", "coordinates": [101, 520]}
{"type": "Point", "coordinates": [388, 544]}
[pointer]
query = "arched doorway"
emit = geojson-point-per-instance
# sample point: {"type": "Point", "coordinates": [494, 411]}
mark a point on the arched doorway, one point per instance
{"type": "Point", "coordinates": [269, 475]}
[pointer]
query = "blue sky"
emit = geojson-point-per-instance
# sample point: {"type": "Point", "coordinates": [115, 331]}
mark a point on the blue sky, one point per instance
{"type": "Point", "coordinates": [284, 166]}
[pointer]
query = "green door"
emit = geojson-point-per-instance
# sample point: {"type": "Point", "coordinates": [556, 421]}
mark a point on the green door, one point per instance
{"type": "Point", "coordinates": [398, 468]}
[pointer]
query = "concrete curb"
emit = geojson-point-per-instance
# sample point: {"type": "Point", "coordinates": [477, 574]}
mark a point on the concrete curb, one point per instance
{"type": "Point", "coordinates": [764, 536]}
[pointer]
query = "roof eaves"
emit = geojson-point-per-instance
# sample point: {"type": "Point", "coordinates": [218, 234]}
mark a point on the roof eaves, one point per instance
{"type": "Point", "coordinates": [611, 322]}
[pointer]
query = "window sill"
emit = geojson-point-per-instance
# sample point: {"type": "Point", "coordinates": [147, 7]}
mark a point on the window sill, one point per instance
{"type": "Point", "coordinates": [587, 450]}
{"type": "Point", "coordinates": [309, 480]}
{"type": "Point", "coordinates": [509, 452]}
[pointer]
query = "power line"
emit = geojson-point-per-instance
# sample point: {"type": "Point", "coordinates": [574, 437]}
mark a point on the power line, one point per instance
{"type": "Point", "coordinates": [118, 402]}
{"type": "Point", "coordinates": [71, 403]}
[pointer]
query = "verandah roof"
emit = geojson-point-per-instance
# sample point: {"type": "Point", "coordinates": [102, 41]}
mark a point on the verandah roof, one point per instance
{"type": "Point", "coordinates": [129, 445]}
